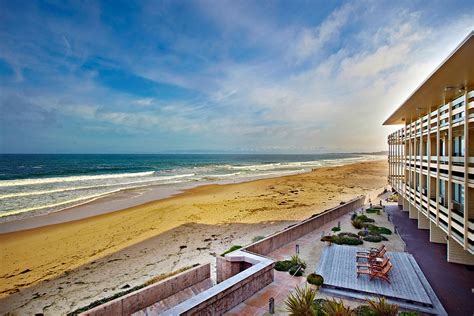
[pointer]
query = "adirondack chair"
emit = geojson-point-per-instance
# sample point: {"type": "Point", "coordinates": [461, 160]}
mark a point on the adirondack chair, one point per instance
{"type": "Point", "coordinates": [372, 250]}
{"type": "Point", "coordinates": [376, 273]}
{"type": "Point", "coordinates": [371, 255]}
{"type": "Point", "coordinates": [375, 264]}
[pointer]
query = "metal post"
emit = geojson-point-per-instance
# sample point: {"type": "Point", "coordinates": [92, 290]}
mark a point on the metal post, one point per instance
{"type": "Point", "coordinates": [271, 305]}
{"type": "Point", "coordinates": [297, 249]}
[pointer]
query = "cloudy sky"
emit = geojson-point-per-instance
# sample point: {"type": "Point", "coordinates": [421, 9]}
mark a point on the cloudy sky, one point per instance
{"type": "Point", "coordinates": [214, 76]}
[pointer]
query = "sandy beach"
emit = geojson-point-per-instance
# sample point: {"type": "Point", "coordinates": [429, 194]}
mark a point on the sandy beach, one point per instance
{"type": "Point", "coordinates": [58, 268]}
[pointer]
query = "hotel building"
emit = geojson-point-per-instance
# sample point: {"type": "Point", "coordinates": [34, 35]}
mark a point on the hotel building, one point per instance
{"type": "Point", "coordinates": [431, 158]}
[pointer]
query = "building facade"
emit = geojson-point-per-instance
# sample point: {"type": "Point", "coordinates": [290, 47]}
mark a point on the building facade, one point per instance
{"type": "Point", "coordinates": [431, 158]}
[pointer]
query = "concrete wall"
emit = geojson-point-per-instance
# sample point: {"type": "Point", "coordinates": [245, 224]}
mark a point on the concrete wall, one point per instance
{"type": "Point", "coordinates": [151, 294]}
{"type": "Point", "coordinates": [457, 254]}
{"type": "Point", "coordinates": [277, 240]}
{"type": "Point", "coordinates": [229, 293]}
{"type": "Point", "coordinates": [226, 269]}
{"type": "Point", "coordinates": [437, 235]}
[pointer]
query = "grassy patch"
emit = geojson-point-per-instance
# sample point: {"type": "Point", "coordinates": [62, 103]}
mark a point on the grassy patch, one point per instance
{"type": "Point", "coordinates": [336, 229]}
{"type": "Point", "coordinates": [231, 249]}
{"type": "Point", "coordinates": [257, 238]}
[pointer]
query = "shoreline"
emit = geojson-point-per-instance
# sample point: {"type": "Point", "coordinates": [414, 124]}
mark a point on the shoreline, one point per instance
{"type": "Point", "coordinates": [121, 200]}
{"type": "Point", "coordinates": [57, 268]}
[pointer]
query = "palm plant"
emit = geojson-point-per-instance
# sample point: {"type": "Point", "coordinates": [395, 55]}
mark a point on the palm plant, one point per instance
{"type": "Point", "coordinates": [380, 307]}
{"type": "Point", "coordinates": [300, 302]}
{"type": "Point", "coordinates": [296, 261]}
{"type": "Point", "coordinates": [336, 308]}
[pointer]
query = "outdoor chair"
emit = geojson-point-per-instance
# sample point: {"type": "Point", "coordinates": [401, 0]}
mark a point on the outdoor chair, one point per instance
{"type": "Point", "coordinates": [371, 255]}
{"type": "Point", "coordinates": [376, 273]}
{"type": "Point", "coordinates": [371, 250]}
{"type": "Point", "coordinates": [375, 264]}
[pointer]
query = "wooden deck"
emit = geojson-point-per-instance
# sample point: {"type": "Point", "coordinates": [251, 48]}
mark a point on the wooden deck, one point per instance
{"type": "Point", "coordinates": [408, 284]}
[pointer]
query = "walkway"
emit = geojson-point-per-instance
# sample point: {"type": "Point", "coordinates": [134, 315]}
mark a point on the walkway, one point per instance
{"type": "Point", "coordinates": [453, 283]}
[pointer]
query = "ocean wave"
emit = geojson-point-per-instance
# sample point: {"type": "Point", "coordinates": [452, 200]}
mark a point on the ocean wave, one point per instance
{"type": "Point", "coordinates": [23, 182]}
{"type": "Point", "coordinates": [155, 179]}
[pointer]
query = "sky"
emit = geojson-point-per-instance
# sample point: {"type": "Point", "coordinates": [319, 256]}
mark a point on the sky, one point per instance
{"type": "Point", "coordinates": [215, 76]}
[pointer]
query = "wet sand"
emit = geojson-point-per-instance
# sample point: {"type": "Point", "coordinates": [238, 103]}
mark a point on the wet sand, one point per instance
{"type": "Point", "coordinates": [57, 268]}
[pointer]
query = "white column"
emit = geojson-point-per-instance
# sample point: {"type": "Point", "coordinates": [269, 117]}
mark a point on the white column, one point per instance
{"type": "Point", "coordinates": [466, 171]}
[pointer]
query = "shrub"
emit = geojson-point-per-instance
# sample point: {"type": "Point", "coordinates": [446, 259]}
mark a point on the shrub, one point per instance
{"type": "Point", "coordinates": [344, 239]}
{"type": "Point", "coordinates": [407, 314]}
{"type": "Point", "coordinates": [328, 238]}
{"type": "Point", "coordinates": [318, 307]}
{"type": "Point", "coordinates": [373, 210]}
{"type": "Point", "coordinates": [333, 307]}
{"type": "Point", "coordinates": [296, 270]}
{"type": "Point", "coordinates": [346, 234]}
{"type": "Point", "coordinates": [231, 249]}
{"type": "Point", "coordinates": [365, 219]}
{"type": "Point", "coordinates": [381, 307]}
{"type": "Point", "coordinates": [373, 238]}
{"type": "Point", "coordinates": [315, 279]}
{"type": "Point", "coordinates": [379, 230]}
{"type": "Point", "coordinates": [362, 233]}
{"type": "Point", "coordinates": [351, 241]}
{"type": "Point", "coordinates": [300, 302]}
{"type": "Point", "coordinates": [363, 310]}
{"type": "Point", "coordinates": [357, 224]}
{"type": "Point", "coordinates": [284, 265]}
{"type": "Point", "coordinates": [296, 261]}
{"type": "Point", "coordinates": [336, 229]}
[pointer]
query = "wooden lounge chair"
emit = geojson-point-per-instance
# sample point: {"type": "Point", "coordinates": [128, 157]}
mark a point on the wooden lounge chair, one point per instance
{"type": "Point", "coordinates": [371, 250]}
{"type": "Point", "coordinates": [375, 264]}
{"type": "Point", "coordinates": [371, 255]}
{"type": "Point", "coordinates": [376, 273]}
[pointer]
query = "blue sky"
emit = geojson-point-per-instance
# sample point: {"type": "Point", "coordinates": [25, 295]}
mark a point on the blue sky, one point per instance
{"type": "Point", "coordinates": [214, 76]}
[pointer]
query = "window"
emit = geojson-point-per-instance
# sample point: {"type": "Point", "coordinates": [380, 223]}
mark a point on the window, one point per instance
{"type": "Point", "coordinates": [458, 193]}
{"type": "Point", "coordinates": [441, 188]}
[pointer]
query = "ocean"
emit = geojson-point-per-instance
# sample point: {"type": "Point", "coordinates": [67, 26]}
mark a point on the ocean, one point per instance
{"type": "Point", "coordinates": [50, 183]}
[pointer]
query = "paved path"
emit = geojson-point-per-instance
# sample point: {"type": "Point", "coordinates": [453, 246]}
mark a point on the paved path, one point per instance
{"type": "Point", "coordinates": [453, 283]}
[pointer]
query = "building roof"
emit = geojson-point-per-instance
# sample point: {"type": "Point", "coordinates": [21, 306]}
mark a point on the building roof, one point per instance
{"type": "Point", "coordinates": [454, 74]}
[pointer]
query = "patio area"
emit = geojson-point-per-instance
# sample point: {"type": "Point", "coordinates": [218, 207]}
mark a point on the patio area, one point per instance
{"type": "Point", "coordinates": [408, 288]}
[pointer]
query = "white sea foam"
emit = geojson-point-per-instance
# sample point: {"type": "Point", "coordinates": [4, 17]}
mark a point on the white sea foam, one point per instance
{"type": "Point", "coordinates": [22, 182]}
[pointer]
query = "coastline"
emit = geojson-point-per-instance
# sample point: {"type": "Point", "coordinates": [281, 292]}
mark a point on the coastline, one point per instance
{"type": "Point", "coordinates": [63, 262]}
{"type": "Point", "coordinates": [120, 200]}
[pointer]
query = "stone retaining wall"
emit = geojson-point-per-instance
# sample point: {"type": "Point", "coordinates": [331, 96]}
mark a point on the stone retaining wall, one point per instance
{"type": "Point", "coordinates": [151, 294]}
{"type": "Point", "coordinates": [278, 240]}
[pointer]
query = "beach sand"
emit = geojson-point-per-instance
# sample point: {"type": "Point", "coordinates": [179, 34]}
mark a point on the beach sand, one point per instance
{"type": "Point", "coordinates": [56, 269]}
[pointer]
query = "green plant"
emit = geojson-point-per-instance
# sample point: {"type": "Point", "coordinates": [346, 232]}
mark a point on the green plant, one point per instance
{"type": "Point", "coordinates": [336, 229]}
{"type": "Point", "coordinates": [362, 310]}
{"type": "Point", "coordinates": [336, 308]}
{"type": "Point", "coordinates": [257, 238]}
{"type": "Point", "coordinates": [318, 307]}
{"type": "Point", "coordinates": [296, 270]}
{"type": "Point", "coordinates": [405, 313]}
{"type": "Point", "coordinates": [296, 261]}
{"type": "Point", "coordinates": [365, 219]}
{"type": "Point", "coordinates": [315, 279]}
{"type": "Point", "coordinates": [357, 224]}
{"type": "Point", "coordinates": [378, 230]}
{"type": "Point", "coordinates": [300, 302]}
{"type": "Point", "coordinates": [231, 249]}
{"type": "Point", "coordinates": [283, 265]}
{"type": "Point", "coordinates": [373, 238]}
{"type": "Point", "coordinates": [328, 238]}
{"type": "Point", "coordinates": [347, 234]}
{"type": "Point", "coordinates": [351, 241]}
{"type": "Point", "coordinates": [373, 210]}
{"type": "Point", "coordinates": [380, 307]}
